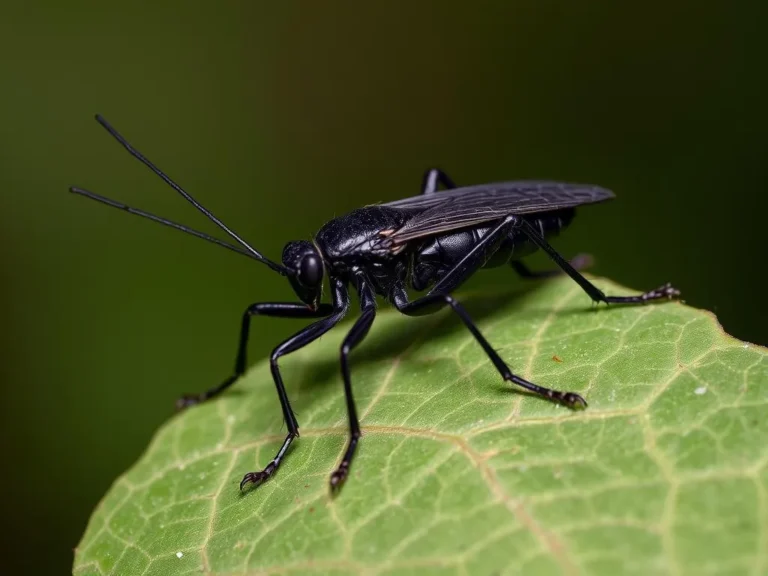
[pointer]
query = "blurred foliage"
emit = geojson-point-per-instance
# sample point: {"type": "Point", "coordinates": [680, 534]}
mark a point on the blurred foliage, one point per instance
{"type": "Point", "coordinates": [279, 118]}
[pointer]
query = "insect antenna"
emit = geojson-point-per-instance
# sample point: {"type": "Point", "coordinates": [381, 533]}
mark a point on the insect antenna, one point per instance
{"type": "Point", "coordinates": [163, 221]}
{"type": "Point", "coordinates": [252, 252]}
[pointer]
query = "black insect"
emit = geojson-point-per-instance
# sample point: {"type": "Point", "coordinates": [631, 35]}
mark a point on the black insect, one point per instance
{"type": "Point", "coordinates": [434, 241]}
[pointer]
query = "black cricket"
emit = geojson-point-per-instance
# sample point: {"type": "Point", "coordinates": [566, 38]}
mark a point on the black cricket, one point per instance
{"type": "Point", "coordinates": [434, 241]}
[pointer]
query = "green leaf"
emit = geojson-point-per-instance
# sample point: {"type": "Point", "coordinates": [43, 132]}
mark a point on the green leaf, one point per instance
{"type": "Point", "coordinates": [459, 472]}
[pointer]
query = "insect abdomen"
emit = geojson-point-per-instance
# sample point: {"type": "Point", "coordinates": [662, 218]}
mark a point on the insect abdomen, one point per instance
{"type": "Point", "coordinates": [436, 255]}
{"type": "Point", "coordinates": [517, 245]}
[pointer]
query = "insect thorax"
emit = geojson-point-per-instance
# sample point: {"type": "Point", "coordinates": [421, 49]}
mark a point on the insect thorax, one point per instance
{"type": "Point", "coordinates": [357, 235]}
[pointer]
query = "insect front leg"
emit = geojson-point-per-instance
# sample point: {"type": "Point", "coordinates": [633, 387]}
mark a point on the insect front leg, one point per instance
{"type": "Point", "coordinates": [295, 342]}
{"type": "Point", "coordinates": [665, 292]}
{"type": "Point", "coordinates": [275, 309]}
{"type": "Point", "coordinates": [432, 301]}
{"type": "Point", "coordinates": [354, 337]}
{"type": "Point", "coordinates": [434, 177]}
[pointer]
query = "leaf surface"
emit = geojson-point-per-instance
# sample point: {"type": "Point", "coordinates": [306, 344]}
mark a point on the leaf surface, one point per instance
{"type": "Point", "coordinates": [460, 473]}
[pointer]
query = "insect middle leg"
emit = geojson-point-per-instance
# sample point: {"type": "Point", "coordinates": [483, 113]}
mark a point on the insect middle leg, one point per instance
{"type": "Point", "coordinates": [432, 301]}
{"type": "Point", "coordinates": [667, 291]}
{"type": "Point", "coordinates": [354, 337]}
{"type": "Point", "coordinates": [440, 296]}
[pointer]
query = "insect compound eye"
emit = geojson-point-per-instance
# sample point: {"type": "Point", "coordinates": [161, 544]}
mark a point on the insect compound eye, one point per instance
{"type": "Point", "coordinates": [310, 270]}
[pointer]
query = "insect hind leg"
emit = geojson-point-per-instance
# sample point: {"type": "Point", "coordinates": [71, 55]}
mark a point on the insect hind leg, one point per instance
{"type": "Point", "coordinates": [664, 292]}
{"type": "Point", "coordinates": [432, 302]}
{"type": "Point", "coordinates": [433, 178]}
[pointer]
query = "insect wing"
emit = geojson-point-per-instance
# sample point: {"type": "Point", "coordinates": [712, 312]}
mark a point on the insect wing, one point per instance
{"type": "Point", "coordinates": [473, 205]}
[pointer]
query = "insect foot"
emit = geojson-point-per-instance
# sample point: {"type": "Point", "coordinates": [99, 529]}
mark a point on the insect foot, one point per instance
{"type": "Point", "coordinates": [573, 400]}
{"type": "Point", "coordinates": [569, 399]}
{"type": "Point", "coordinates": [338, 477]}
{"type": "Point", "coordinates": [258, 478]}
{"type": "Point", "coordinates": [665, 291]}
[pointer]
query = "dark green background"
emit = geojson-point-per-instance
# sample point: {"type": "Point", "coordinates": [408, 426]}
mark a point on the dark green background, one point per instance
{"type": "Point", "coordinates": [279, 119]}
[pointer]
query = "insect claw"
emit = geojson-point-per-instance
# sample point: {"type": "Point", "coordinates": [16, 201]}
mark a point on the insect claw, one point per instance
{"type": "Point", "coordinates": [574, 401]}
{"type": "Point", "coordinates": [250, 478]}
{"type": "Point", "coordinates": [258, 478]}
{"type": "Point", "coordinates": [338, 477]}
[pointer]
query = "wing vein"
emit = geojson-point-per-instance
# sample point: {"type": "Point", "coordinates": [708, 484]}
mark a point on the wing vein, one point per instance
{"type": "Point", "coordinates": [473, 205]}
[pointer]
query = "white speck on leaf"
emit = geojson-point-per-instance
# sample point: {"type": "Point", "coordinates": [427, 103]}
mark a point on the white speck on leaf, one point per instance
{"type": "Point", "coordinates": [179, 554]}
{"type": "Point", "coordinates": [700, 390]}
